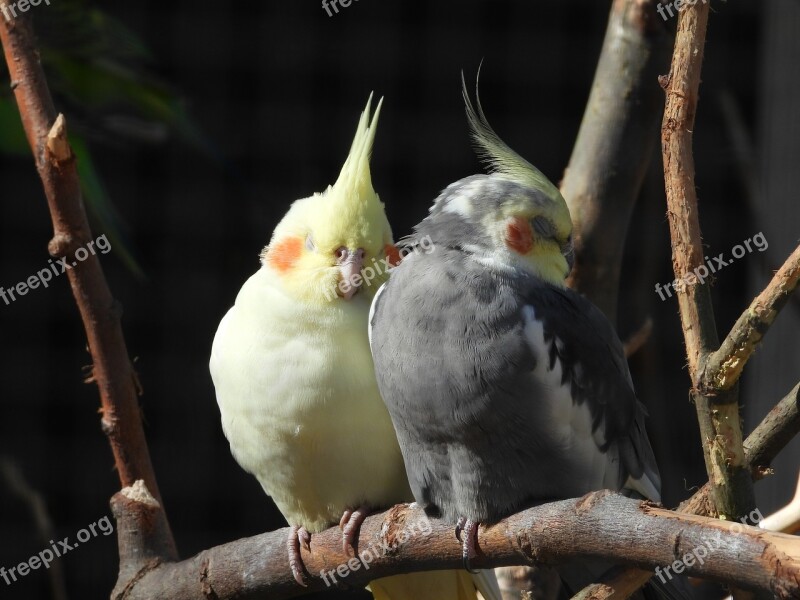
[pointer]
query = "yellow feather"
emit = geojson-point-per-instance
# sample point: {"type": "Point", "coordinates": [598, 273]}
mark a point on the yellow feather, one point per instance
{"type": "Point", "coordinates": [294, 376]}
{"type": "Point", "coordinates": [349, 213]}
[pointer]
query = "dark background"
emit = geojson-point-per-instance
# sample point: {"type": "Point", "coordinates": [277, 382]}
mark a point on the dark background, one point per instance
{"type": "Point", "coordinates": [277, 87]}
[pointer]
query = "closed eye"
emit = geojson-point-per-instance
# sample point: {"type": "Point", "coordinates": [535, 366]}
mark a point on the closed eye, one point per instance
{"type": "Point", "coordinates": [543, 227]}
{"type": "Point", "coordinates": [310, 244]}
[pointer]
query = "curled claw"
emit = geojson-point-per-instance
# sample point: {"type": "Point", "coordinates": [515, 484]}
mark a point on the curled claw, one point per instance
{"type": "Point", "coordinates": [470, 540]}
{"type": "Point", "coordinates": [298, 536]}
{"type": "Point", "coordinates": [350, 524]}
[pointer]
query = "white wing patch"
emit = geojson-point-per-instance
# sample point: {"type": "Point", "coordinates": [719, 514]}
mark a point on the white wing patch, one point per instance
{"type": "Point", "coordinates": [458, 202]}
{"type": "Point", "coordinates": [571, 421]}
{"type": "Point", "coordinates": [372, 313]}
{"type": "Point", "coordinates": [644, 486]}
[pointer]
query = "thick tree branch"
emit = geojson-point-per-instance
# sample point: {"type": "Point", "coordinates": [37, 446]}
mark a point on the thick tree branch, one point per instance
{"type": "Point", "coordinates": [681, 87]}
{"type": "Point", "coordinates": [723, 367]}
{"type": "Point", "coordinates": [112, 369]}
{"type": "Point", "coordinates": [718, 415]}
{"type": "Point", "coordinates": [614, 147]}
{"type": "Point", "coordinates": [402, 539]}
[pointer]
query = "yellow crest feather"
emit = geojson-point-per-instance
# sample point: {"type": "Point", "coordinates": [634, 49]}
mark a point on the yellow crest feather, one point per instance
{"type": "Point", "coordinates": [497, 155]}
{"type": "Point", "coordinates": [355, 182]}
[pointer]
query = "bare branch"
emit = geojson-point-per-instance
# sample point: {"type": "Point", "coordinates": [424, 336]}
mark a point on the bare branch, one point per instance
{"type": "Point", "coordinates": [718, 416]}
{"type": "Point", "coordinates": [681, 87]}
{"type": "Point", "coordinates": [601, 524]}
{"type": "Point", "coordinates": [723, 368]}
{"type": "Point", "coordinates": [777, 429]}
{"type": "Point", "coordinates": [614, 147]}
{"type": "Point", "coordinates": [112, 369]}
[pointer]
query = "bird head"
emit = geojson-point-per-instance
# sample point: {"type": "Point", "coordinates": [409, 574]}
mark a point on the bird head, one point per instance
{"type": "Point", "coordinates": [337, 243]}
{"type": "Point", "coordinates": [514, 218]}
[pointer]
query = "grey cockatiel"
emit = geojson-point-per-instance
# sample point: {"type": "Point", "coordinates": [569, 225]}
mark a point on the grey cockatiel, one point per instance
{"type": "Point", "coordinates": [505, 387]}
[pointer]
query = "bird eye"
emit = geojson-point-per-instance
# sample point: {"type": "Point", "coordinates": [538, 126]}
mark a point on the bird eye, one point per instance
{"type": "Point", "coordinates": [310, 244]}
{"type": "Point", "coordinates": [543, 227]}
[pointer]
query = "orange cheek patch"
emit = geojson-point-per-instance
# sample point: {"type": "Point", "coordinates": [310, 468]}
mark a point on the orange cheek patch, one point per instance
{"type": "Point", "coordinates": [519, 236]}
{"type": "Point", "coordinates": [393, 254]}
{"type": "Point", "coordinates": [285, 253]}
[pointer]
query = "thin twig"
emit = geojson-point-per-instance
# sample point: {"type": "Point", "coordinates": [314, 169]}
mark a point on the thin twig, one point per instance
{"type": "Point", "coordinates": [723, 367]}
{"type": "Point", "coordinates": [112, 369]}
{"type": "Point", "coordinates": [639, 338]}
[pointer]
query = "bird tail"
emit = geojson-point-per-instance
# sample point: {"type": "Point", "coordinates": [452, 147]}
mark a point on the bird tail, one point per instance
{"type": "Point", "coordinates": [437, 585]}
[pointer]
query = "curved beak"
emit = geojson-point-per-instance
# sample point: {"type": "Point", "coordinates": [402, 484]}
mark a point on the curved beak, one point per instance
{"type": "Point", "coordinates": [350, 263]}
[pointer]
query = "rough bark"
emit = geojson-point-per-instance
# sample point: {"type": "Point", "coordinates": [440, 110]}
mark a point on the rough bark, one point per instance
{"type": "Point", "coordinates": [601, 524]}
{"type": "Point", "coordinates": [614, 147]}
{"type": "Point", "coordinates": [717, 409]}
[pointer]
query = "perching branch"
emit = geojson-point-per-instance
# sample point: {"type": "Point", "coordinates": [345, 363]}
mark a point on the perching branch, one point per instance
{"type": "Point", "coordinates": [112, 369]}
{"type": "Point", "coordinates": [601, 524]}
{"type": "Point", "coordinates": [614, 147]}
{"type": "Point", "coordinates": [717, 412]}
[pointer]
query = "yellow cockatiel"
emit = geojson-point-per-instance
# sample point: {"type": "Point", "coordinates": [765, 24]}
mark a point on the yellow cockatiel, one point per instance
{"type": "Point", "coordinates": [294, 378]}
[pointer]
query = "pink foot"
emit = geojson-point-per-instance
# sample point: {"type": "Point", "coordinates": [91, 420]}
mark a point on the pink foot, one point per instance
{"type": "Point", "coordinates": [298, 536]}
{"type": "Point", "coordinates": [350, 524]}
{"type": "Point", "coordinates": [470, 541]}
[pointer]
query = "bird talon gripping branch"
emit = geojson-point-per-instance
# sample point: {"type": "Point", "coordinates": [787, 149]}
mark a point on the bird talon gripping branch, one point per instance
{"type": "Point", "coordinates": [350, 524]}
{"type": "Point", "coordinates": [298, 536]}
{"type": "Point", "coordinates": [470, 544]}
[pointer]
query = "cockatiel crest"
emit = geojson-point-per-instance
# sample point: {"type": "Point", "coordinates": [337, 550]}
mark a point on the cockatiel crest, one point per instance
{"type": "Point", "coordinates": [516, 218]}
{"type": "Point", "coordinates": [331, 242]}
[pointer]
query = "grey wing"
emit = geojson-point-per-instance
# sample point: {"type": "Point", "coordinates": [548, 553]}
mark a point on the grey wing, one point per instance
{"type": "Point", "coordinates": [572, 332]}
{"type": "Point", "coordinates": [501, 397]}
